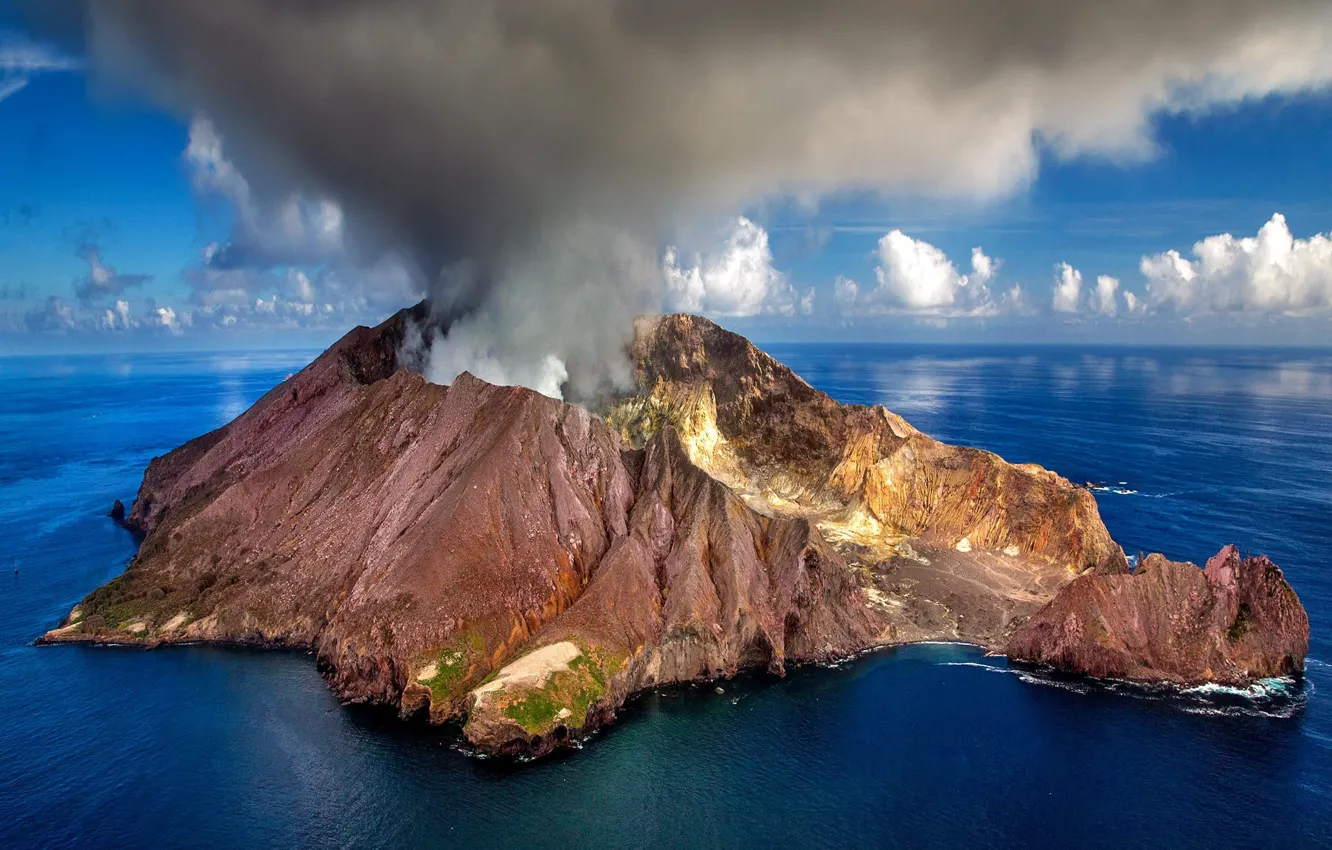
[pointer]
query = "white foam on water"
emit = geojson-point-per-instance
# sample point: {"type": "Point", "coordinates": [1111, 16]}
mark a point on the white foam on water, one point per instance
{"type": "Point", "coordinates": [1118, 491]}
{"type": "Point", "coordinates": [1282, 712]}
{"type": "Point", "coordinates": [1257, 690]}
{"type": "Point", "coordinates": [1122, 489]}
{"type": "Point", "coordinates": [1275, 697]}
{"type": "Point", "coordinates": [1081, 688]}
{"type": "Point", "coordinates": [990, 667]}
{"type": "Point", "coordinates": [939, 643]}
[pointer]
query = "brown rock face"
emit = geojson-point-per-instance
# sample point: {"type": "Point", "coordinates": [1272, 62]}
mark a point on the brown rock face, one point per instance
{"type": "Point", "coordinates": [954, 542]}
{"type": "Point", "coordinates": [486, 552]}
{"type": "Point", "coordinates": [422, 537]}
{"type": "Point", "coordinates": [1233, 622]}
{"type": "Point", "coordinates": [699, 587]}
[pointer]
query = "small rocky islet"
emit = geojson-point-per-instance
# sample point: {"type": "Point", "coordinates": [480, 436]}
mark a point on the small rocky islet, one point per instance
{"type": "Point", "coordinates": [489, 555]}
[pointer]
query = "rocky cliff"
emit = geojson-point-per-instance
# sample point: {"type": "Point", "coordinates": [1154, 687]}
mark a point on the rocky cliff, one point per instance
{"type": "Point", "coordinates": [953, 542]}
{"type": "Point", "coordinates": [1232, 622]}
{"type": "Point", "coordinates": [486, 553]}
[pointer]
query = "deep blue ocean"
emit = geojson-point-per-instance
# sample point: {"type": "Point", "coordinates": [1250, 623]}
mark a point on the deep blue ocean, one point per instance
{"type": "Point", "coordinates": [926, 746]}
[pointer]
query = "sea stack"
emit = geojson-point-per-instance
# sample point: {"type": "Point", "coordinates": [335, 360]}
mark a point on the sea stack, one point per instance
{"type": "Point", "coordinates": [1234, 622]}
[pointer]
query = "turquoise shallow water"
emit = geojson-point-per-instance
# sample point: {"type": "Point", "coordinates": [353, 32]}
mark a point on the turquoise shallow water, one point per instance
{"type": "Point", "coordinates": [932, 746]}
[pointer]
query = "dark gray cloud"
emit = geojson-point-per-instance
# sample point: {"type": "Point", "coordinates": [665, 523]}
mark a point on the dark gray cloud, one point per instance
{"type": "Point", "coordinates": [267, 232]}
{"type": "Point", "coordinates": [529, 157]}
{"type": "Point", "coordinates": [52, 315]}
{"type": "Point", "coordinates": [101, 280]}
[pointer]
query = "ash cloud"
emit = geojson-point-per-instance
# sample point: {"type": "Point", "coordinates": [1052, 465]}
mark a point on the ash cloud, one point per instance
{"type": "Point", "coordinates": [530, 158]}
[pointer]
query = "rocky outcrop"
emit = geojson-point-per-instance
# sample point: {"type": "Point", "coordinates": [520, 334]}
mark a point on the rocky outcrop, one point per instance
{"type": "Point", "coordinates": [391, 524]}
{"type": "Point", "coordinates": [698, 588]}
{"type": "Point", "coordinates": [1233, 622]}
{"type": "Point", "coordinates": [427, 541]}
{"type": "Point", "coordinates": [955, 542]}
{"type": "Point", "coordinates": [487, 554]}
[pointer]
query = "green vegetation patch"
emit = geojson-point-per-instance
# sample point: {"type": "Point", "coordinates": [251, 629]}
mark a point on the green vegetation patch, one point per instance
{"type": "Point", "coordinates": [1243, 620]}
{"type": "Point", "coordinates": [136, 596]}
{"type": "Point", "coordinates": [452, 665]}
{"type": "Point", "coordinates": [576, 689]}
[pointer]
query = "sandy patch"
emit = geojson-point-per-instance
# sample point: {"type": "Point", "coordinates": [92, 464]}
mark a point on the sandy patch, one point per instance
{"type": "Point", "coordinates": [74, 624]}
{"type": "Point", "coordinates": [534, 669]}
{"type": "Point", "coordinates": [963, 545]}
{"type": "Point", "coordinates": [428, 672]}
{"type": "Point", "coordinates": [175, 622]}
{"type": "Point", "coordinates": [880, 599]}
{"type": "Point", "coordinates": [138, 627]}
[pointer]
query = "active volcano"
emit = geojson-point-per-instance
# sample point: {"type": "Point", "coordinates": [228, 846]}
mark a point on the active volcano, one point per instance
{"type": "Point", "coordinates": [488, 554]}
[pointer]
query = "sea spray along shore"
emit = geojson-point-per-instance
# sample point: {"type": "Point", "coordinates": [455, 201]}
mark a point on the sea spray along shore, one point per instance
{"type": "Point", "coordinates": [432, 543]}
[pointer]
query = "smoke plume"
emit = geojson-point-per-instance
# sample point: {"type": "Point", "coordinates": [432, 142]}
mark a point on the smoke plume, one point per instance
{"type": "Point", "coordinates": [531, 157]}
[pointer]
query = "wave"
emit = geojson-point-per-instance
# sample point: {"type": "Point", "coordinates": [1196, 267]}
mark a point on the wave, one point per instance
{"type": "Point", "coordinates": [1111, 488]}
{"type": "Point", "coordinates": [1258, 690]}
{"type": "Point", "coordinates": [1122, 489]}
{"type": "Point", "coordinates": [989, 667]}
{"type": "Point", "coordinates": [1275, 698]}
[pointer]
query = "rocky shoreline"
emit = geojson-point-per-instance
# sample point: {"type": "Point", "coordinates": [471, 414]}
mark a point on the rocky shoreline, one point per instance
{"type": "Point", "coordinates": [487, 555]}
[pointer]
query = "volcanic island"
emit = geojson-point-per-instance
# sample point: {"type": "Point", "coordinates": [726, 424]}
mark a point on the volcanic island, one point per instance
{"type": "Point", "coordinates": [489, 556]}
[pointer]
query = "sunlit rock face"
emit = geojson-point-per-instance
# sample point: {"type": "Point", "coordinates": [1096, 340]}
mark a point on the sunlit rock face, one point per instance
{"type": "Point", "coordinates": [954, 542]}
{"type": "Point", "coordinates": [489, 554]}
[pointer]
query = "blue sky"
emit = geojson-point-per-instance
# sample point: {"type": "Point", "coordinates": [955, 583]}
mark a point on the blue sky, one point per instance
{"type": "Point", "coordinates": [93, 171]}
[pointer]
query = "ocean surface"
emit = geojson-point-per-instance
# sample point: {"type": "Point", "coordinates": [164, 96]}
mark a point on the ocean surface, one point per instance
{"type": "Point", "coordinates": [925, 746]}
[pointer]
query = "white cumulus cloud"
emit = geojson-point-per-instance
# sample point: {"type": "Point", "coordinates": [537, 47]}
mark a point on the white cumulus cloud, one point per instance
{"type": "Point", "coordinates": [167, 317]}
{"type": "Point", "coordinates": [1069, 295]}
{"type": "Point", "coordinates": [118, 318]}
{"type": "Point", "coordinates": [1103, 296]}
{"type": "Point", "coordinates": [1067, 289]}
{"type": "Point", "coordinates": [1272, 272]}
{"type": "Point", "coordinates": [915, 277]}
{"type": "Point", "coordinates": [738, 280]}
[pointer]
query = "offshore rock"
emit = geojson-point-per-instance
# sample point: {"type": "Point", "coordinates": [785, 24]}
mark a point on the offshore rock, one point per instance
{"type": "Point", "coordinates": [1233, 622]}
